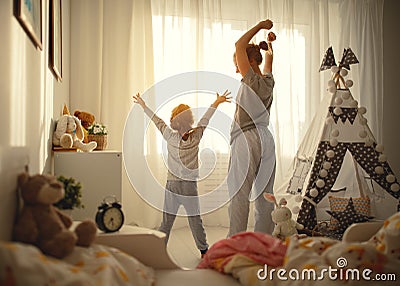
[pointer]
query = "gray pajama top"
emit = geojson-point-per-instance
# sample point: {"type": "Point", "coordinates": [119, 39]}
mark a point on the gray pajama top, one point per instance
{"type": "Point", "coordinates": [182, 160]}
{"type": "Point", "coordinates": [253, 102]}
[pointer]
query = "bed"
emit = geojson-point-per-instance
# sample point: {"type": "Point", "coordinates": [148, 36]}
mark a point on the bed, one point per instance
{"type": "Point", "coordinates": [138, 256]}
{"type": "Point", "coordinates": [133, 256]}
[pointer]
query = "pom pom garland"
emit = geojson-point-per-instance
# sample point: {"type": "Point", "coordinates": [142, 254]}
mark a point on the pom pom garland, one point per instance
{"type": "Point", "coordinates": [390, 178]}
{"type": "Point", "coordinates": [331, 83]}
{"type": "Point", "coordinates": [314, 193]}
{"type": "Point", "coordinates": [349, 83]}
{"type": "Point", "coordinates": [320, 183]}
{"type": "Point", "coordinates": [343, 72]}
{"type": "Point", "coordinates": [338, 100]}
{"type": "Point", "coordinates": [335, 133]}
{"type": "Point", "coordinates": [332, 89]}
{"type": "Point", "coordinates": [369, 142]}
{"type": "Point", "coordinates": [362, 134]}
{"type": "Point", "coordinates": [395, 187]}
{"type": "Point", "coordinates": [379, 170]}
{"type": "Point", "coordinates": [354, 103]}
{"type": "Point", "coordinates": [333, 142]}
{"type": "Point", "coordinates": [363, 121]}
{"type": "Point", "coordinates": [323, 173]}
{"type": "Point", "coordinates": [345, 108]}
{"type": "Point", "coordinates": [382, 158]}
{"type": "Point", "coordinates": [327, 165]}
{"type": "Point", "coordinates": [329, 120]}
{"type": "Point", "coordinates": [346, 95]}
{"type": "Point", "coordinates": [362, 110]}
{"type": "Point", "coordinates": [379, 148]}
{"type": "Point", "coordinates": [337, 111]}
{"type": "Point", "coordinates": [330, 153]}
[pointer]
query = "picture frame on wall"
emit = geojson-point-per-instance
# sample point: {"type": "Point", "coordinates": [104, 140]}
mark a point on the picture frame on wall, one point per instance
{"type": "Point", "coordinates": [55, 39]}
{"type": "Point", "coordinates": [29, 15]}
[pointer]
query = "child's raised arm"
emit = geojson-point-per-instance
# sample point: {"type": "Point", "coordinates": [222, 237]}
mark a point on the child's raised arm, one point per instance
{"type": "Point", "coordinates": [225, 97]}
{"type": "Point", "coordinates": [139, 100]}
{"type": "Point", "coordinates": [165, 130]}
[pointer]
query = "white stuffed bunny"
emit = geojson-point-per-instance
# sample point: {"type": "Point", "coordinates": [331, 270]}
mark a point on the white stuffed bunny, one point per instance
{"type": "Point", "coordinates": [69, 133]}
{"type": "Point", "coordinates": [282, 217]}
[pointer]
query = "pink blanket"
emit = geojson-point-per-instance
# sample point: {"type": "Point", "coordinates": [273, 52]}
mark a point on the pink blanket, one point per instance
{"type": "Point", "coordinates": [259, 247]}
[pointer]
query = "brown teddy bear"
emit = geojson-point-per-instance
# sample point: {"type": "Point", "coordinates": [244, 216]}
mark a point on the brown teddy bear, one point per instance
{"type": "Point", "coordinates": [42, 224]}
{"type": "Point", "coordinates": [86, 119]}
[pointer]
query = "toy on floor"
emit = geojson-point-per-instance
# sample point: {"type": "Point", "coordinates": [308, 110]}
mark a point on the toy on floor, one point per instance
{"type": "Point", "coordinates": [43, 225]}
{"type": "Point", "coordinates": [282, 217]}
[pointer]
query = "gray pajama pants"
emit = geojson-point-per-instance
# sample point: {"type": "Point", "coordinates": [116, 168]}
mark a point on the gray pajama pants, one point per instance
{"type": "Point", "coordinates": [252, 164]}
{"type": "Point", "coordinates": [183, 193]}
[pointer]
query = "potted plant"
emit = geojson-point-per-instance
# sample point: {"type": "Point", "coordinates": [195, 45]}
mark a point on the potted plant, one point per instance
{"type": "Point", "coordinates": [98, 132]}
{"type": "Point", "coordinates": [73, 194]}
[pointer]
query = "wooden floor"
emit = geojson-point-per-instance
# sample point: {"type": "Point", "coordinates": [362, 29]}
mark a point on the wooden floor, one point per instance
{"type": "Point", "coordinates": [182, 248]}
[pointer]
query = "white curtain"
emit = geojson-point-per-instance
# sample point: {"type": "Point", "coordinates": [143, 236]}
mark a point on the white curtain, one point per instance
{"type": "Point", "coordinates": [134, 44]}
{"type": "Point", "coordinates": [111, 58]}
{"type": "Point", "coordinates": [362, 30]}
{"type": "Point", "coordinates": [191, 37]}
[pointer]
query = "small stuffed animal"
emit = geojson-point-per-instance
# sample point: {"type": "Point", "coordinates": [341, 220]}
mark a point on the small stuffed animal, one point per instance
{"type": "Point", "coordinates": [43, 225]}
{"type": "Point", "coordinates": [86, 119]}
{"type": "Point", "coordinates": [282, 217]}
{"type": "Point", "coordinates": [69, 133]}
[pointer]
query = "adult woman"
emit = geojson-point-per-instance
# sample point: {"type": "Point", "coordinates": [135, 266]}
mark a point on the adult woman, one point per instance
{"type": "Point", "coordinates": [252, 161]}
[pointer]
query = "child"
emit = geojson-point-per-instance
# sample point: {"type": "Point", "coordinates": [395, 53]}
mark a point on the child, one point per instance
{"type": "Point", "coordinates": [183, 148]}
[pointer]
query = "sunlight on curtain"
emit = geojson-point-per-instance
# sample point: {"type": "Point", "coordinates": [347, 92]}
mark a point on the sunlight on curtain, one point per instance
{"type": "Point", "coordinates": [192, 36]}
{"type": "Point", "coordinates": [181, 52]}
{"type": "Point", "coordinates": [362, 30]}
{"type": "Point", "coordinates": [184, 42]}
{"type": "Point", "coordinates": [289, 109]}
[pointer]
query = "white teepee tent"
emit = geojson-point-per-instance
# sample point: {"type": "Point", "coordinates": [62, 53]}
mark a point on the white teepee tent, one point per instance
{"type": "Point", "coordinates": [338, 151]}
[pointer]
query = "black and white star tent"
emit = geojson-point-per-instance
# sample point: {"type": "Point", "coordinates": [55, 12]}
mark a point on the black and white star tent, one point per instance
{"type": "Point", "coordinates": [328, 60]}
{"type": "Point", "coordinates": [348, 59]}
{"type": "Point", "coordinates": [337, 132]}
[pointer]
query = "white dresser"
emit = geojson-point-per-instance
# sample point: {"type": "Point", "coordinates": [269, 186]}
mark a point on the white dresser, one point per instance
{"type": "Point", "coordinates": [99, 173]}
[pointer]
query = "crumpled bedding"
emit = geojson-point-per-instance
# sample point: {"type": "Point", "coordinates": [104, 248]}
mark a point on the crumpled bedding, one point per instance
{"type": "Point", "coordinates": [23, 264]}
{"type": "Point", "coordinates": [244, 248]}
{"type": "Point", "coordinates": [312, 260]}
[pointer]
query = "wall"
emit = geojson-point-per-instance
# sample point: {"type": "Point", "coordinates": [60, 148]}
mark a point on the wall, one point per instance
{"type": "Point", "coordinates": [30, 97]}
{"type": "Point", "coordinates": [391, 104]}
